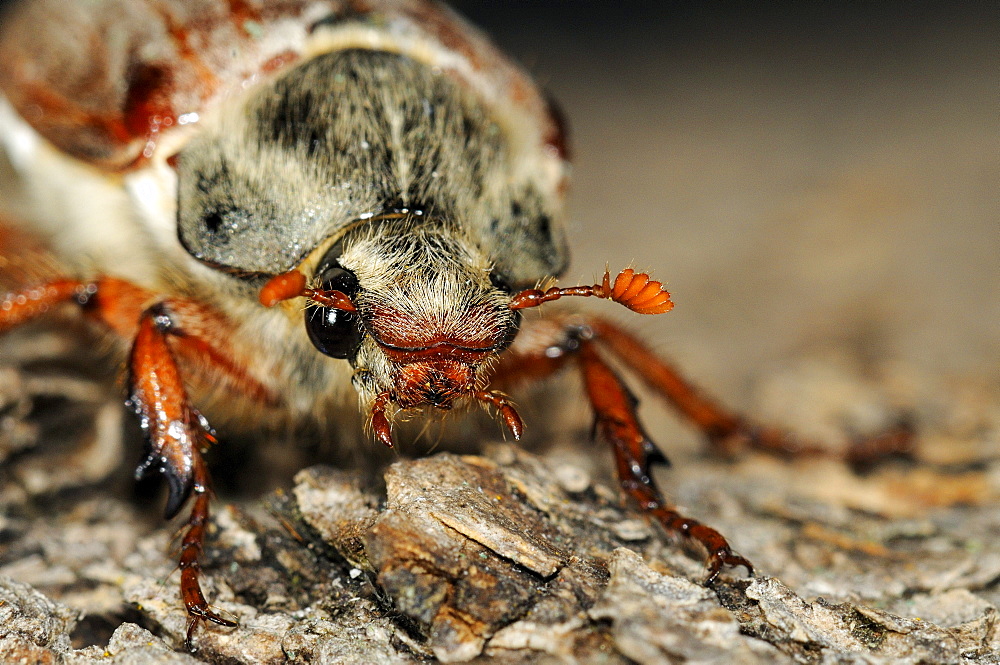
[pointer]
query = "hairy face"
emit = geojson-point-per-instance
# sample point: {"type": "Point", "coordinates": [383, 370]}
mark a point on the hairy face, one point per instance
{"type": "Point", "coordinates": [430, 312]}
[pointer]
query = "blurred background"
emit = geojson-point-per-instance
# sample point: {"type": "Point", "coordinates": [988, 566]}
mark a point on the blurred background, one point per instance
{"type": "Point", "coordinates": [810, 179]}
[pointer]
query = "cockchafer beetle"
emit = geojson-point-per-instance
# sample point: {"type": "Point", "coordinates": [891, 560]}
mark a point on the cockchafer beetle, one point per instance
{"type": "Point", "coordinates": [276, 199]}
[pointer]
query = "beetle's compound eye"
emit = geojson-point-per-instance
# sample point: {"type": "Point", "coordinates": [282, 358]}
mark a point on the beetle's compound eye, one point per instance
{"type": "Point", "coordinates": [335, 332]}
{"type": "Point", "coordinates": [501, 283]}
{"type": "Point", "coordinates": [510, 333]}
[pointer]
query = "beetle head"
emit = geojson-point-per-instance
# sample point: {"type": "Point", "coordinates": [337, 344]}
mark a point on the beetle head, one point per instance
{"type": "Point", "coordinates": [420, 313]}
{"type": "Point", "coordinates": [424, 314]}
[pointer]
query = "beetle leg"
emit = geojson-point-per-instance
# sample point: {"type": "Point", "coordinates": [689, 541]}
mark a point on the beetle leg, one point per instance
{"type": "Point", "coordinates": [726, 431]}
{"type": "Point", "coordinates": [615, 418]}
{"type": "Point", "coordinates": [118, 305]}
{"type": "Point", "coordinates": [175, 435]}
{"type": "Point", "coordinates": [614, 411]}
{"type": "Point", "coordinates": [504, 408]}
{"type": "Point", "coordinates": [380, 423]}
{"type": "Point", "coordinates": [175, 432]}
{"type": "Point", "coordinates": [19, 307]}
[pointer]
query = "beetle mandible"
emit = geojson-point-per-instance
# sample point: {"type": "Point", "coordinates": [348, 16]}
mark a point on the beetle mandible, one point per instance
{"type": "Point", "coordinates": [268, 203]}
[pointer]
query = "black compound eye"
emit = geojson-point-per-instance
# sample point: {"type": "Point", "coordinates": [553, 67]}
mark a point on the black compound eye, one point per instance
{"type": "Point", "coordinates": [334, 332]}
{"type": "Point", "coordinates": [510, 333]}
{"type": "Point", "coordinates": [499, 282]}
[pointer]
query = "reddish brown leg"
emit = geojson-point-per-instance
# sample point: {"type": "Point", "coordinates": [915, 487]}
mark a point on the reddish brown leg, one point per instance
{"type": "Point", "coordinates": [504, 409]}
{"type": "Point", "coordinates": [635, 454]}
{"type": "Point", "coordinates": [727, 431]}
{"type": "Point", "coordinates": [176, 434]}
{"type": "Point", "coordinates": [118, 305]}
{"type": "Point", "coordinates": [19, 307]}
{"type": "Point", "coordinates": [380, 423]}
{"type": "Point", "coordinates": [616, 419]}
{"type": "Point", "coordinates": [191, 547]}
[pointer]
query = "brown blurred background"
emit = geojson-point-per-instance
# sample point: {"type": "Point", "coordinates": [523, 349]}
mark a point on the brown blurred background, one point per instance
{"type": "Point", "coordinates": [805, 176]}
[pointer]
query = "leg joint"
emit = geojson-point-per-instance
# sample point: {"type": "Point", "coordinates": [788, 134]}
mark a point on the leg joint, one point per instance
{"type": "Point", "coordinates": [163, 318]}
{"type": "Point", "coordinates": [85, 295]}
{"type": "Point", "coordinates": [574, 336]}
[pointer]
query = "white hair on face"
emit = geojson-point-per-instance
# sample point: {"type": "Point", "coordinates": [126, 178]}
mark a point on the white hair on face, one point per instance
{"type": "Point", "coordinates": [421, 270]}
{"type": "Point", "coordinates": [421, 283]}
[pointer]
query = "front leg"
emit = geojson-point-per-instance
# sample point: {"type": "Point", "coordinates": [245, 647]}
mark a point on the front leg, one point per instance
{"type": "Point", "coordinates": [176, 435]}
{"type": "Point", "coordinates": [635, 455]}
{"type": "Point", "coordinates": [726, 431]}
{"type": "Point", "coordinates": [548, 346]}
{"type": "Point", "coordinates": [161, 329]}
